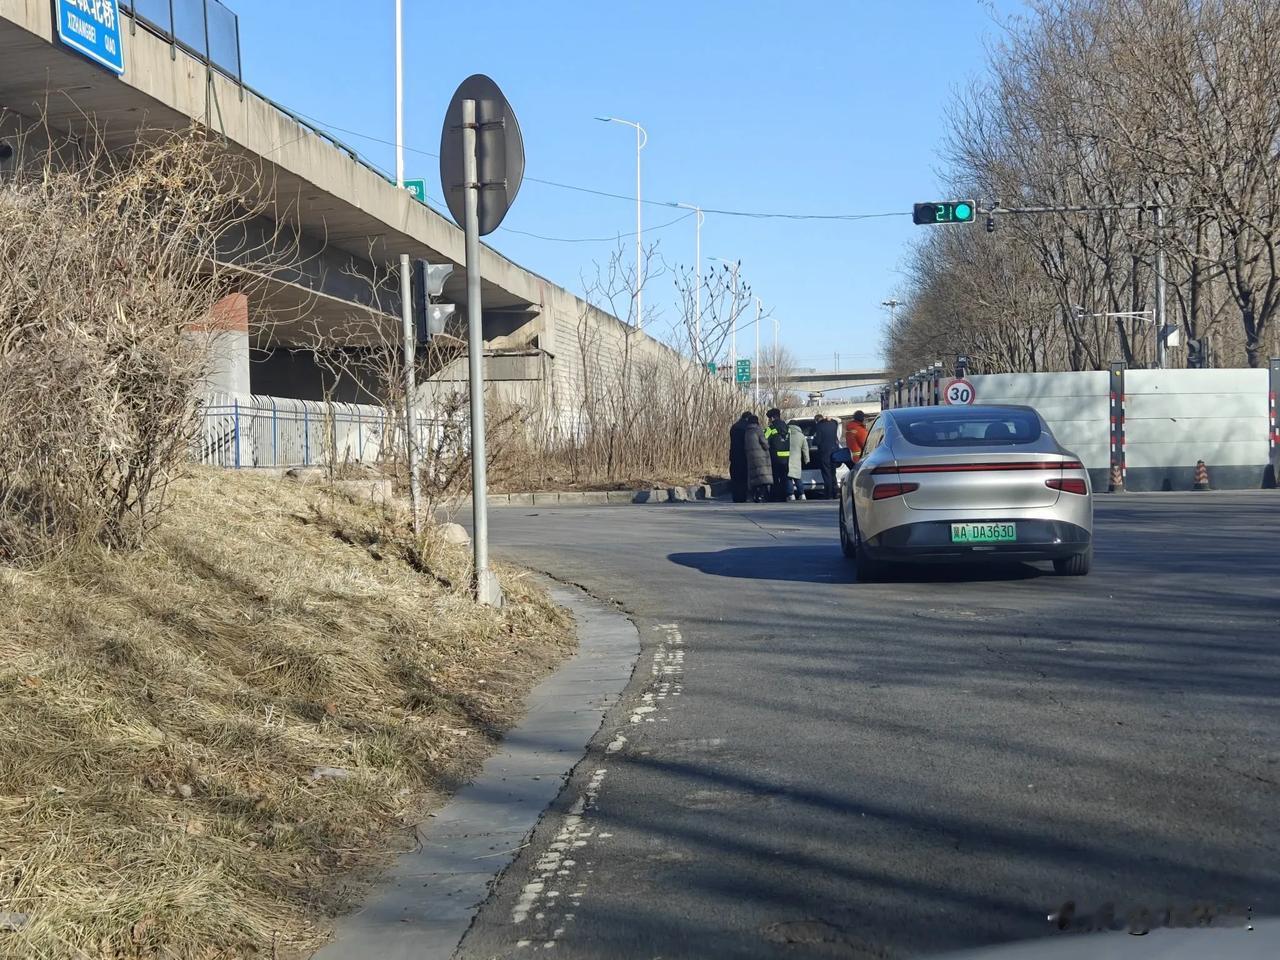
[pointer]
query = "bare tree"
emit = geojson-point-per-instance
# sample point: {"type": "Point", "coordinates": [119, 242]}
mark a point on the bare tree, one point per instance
{"type": "Point", "coordinates": [111, 264]}
{"type": "Point", "coordinates": [1116, 106]}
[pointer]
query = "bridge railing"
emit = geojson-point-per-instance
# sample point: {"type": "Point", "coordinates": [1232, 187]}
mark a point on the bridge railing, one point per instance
{"type": "Point", "coordinates": [209, 31]}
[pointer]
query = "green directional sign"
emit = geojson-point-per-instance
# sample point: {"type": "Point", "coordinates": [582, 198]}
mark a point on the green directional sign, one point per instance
{"type": "Point", "coordinates": [742, 372]}
{"type": "Point", "coordinates": [418, 188]}
{"type": "Point", "coordinates": [711, 366]}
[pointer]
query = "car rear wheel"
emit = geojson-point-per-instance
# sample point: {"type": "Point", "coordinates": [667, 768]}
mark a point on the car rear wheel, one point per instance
{"type": "Point", "coordinates": [868, 570]}
{"type": "Point", "coordinates": [1076, 565]}
{"type": "Point", "coordinates": [846, 545]}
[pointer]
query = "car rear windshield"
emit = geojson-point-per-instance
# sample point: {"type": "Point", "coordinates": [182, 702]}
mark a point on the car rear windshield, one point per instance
{"type": "Point", "coordinates": [971, 428]}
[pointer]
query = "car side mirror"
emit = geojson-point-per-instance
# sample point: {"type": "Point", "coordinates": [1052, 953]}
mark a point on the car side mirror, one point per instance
{"type": "Point", "coordinates": [842, 455]}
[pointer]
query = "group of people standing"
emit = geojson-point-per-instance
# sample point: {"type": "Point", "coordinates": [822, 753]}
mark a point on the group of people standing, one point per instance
{"type": "Point", "coordinates": [767, 461]}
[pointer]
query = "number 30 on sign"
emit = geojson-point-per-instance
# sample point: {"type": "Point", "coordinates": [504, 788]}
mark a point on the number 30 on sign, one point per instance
{"type": "Point", "coordinates": [959, 393]}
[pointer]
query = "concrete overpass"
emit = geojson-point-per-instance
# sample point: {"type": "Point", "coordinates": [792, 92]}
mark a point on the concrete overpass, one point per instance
{"type": "Point", "coordinates": [346, 217]}
{"type": "Point", "coordinates": [820, 381]}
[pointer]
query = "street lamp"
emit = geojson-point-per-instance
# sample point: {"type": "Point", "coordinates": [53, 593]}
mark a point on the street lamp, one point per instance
{"type": "Point", "coordinates": [406, 293]}
{"type": "Point", "coordinates": [697, 246]}
{"type": "Point", "coordinates": [755, 374]}
{"type": "Point", "coordinates": [893, 305]}
{"type": "Point", "coordinates": [642, 137]}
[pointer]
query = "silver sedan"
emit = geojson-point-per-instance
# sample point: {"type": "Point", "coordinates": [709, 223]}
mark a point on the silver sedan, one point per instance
{"type": "Point", "coordinates": [964, 484]}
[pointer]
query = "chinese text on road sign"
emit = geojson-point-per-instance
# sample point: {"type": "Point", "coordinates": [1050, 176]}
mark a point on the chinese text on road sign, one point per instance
{"type": "Point", "coordinates": [92, 27]}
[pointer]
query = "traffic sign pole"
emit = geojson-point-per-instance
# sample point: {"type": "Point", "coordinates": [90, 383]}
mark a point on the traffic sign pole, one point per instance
{"type": "Point", "coordinates": [480, 183]}
{"type": "Point", "coordinates": [486, 584]}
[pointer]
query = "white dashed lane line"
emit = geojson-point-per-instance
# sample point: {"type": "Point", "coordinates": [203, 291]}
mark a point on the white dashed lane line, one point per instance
{"type": "Point", "coordinates": [562, 875]}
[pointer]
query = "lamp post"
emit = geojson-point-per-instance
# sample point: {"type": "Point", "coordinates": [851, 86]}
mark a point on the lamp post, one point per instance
{"type": "Point", "coordinates": [893, 305]}
{"type": "Point", "coordinates": [755, 374]}
{"type": "Point", "coordinates": [406, 294]}
{"type": "Point", "coordinates": [697, 255]}
{"type": "Point", "coordinates": [777, 358]}
{"type": "Point", "coordinates": [642, 137]}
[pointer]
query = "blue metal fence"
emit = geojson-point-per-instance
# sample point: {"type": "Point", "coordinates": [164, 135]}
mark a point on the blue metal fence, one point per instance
{"type": "Point", "coordinates": [240, 432]}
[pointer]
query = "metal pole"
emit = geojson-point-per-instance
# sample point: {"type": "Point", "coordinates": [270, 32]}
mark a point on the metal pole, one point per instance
{"type": "Point", "coordinates": [776, 357]}
{"type": "Point", "coordinates": [639, 236]}
{"type": "Point", "coordinates": [733, 330]}
{"type": "Point", "coordinates": [486, 584]}
{"type": "Point", "coordinates": [1160, 348]}
{"type": "Point", "coordinates": [406, 298]}
{"type": "Point", "coordinates": [755, 380]}
{"type": "Point", "coordinates": [697, 253]}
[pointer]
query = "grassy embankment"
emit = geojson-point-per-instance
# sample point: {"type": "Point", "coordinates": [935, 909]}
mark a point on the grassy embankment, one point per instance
{"type": "Point", "coordinates": [207, 744]}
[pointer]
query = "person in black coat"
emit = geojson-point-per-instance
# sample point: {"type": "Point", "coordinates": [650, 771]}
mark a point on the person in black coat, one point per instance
{"type": "Point", "coordinates": [738, 459]}
{"type": "Point", "coordinates": [759, 467]}
{"type": "Point", "coordinates": [827, 437]}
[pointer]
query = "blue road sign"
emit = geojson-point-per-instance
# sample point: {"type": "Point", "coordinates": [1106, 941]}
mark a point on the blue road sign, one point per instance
{"type": "Point", "coordinates": [92, 27]}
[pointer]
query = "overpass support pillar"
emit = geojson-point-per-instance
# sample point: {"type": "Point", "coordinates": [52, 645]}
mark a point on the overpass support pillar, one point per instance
{"type": "Point", "coordinates": [227, 331]}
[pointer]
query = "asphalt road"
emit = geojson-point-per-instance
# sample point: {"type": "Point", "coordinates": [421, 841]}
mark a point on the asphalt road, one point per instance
{"type": "Point", "coordinates": [805, 766]}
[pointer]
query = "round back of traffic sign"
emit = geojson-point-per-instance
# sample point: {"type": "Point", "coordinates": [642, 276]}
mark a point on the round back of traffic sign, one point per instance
{"type": "Point", "coordinates": [959, 393]}
{"type": "Point", "coordinates": [499, 153]}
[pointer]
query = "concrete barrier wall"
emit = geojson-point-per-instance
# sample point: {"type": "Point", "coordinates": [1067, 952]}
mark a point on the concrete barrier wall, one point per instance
{"type": "Point", "coordinates": [1175, 417]}
{"type": "Point", "coordinates": [1075, 405]}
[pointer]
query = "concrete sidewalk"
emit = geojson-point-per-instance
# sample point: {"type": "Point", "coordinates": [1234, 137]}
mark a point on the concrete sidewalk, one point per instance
{"type": "Point", "coordinates": [424, 905]}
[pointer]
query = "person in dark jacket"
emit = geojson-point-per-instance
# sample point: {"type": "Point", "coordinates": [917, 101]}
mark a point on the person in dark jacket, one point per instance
{"type": "Point", "coordinates": [827, 437]}
{"type": "Point", "coordinates": [778, 436]}
{"type": "Point", "coordinates": [738, 458]}
{"type": "Point", "coordinates": [759, 471]}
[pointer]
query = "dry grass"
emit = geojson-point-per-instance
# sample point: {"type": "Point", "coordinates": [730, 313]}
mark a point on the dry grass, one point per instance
{"type": "Point", "coordinates": [162, 713]}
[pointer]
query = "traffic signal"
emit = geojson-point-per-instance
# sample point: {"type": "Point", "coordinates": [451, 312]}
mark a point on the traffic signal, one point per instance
{"type": "Point", "coordinates": [944, 211]}
{"type": "Point", "coordinates": [428, 281]}
{"type": "Point", "coordinates": [1196, 355]}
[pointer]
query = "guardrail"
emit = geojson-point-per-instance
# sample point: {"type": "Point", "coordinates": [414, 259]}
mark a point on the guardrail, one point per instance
{"type": "Point", "coordinates": [210, 32]}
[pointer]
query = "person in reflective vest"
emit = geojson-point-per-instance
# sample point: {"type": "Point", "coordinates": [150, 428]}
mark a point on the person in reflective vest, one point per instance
{"type": "Point", "coordinates": [778, 436]}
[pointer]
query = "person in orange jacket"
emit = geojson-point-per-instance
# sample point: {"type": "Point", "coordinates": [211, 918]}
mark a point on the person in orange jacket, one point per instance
{"type": "Point", "coordinates": [855, 435]}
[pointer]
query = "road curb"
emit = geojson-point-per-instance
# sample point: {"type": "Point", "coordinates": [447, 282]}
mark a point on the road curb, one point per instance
{"type": "Point", "coordinates": [595, 498]}
{"type": "Point", "coordinates": [423, 906]}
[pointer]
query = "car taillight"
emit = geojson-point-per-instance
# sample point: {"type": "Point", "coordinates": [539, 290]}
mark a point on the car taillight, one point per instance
{"type": "Point", "coordinates": [883, 491]}
{"type": "Point", "coordinates": [1069, 485]}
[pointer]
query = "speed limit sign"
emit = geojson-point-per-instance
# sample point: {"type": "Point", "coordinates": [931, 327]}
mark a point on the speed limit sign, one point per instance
{"type": "Point", "coordinates": [959, 393]}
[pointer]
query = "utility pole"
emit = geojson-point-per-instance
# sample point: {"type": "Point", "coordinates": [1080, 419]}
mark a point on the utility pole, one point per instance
{"type": "Point", "coordinates": [406, 299]}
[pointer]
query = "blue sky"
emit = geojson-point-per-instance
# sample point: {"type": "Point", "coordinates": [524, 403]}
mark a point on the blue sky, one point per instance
{"type": "Point", "coordinates": [814, 107]}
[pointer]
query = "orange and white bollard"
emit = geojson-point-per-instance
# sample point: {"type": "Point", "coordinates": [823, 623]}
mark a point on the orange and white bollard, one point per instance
{"type": "Point", "coordinates": [1202, 477]}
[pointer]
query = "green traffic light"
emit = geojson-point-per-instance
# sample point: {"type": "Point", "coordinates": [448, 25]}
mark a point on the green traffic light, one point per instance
{"type": "Point", "coordinates": [964, 211]}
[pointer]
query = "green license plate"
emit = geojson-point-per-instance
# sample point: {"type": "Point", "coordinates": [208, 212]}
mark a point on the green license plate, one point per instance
{"type": "Point", "coordinates": [984, 532]}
